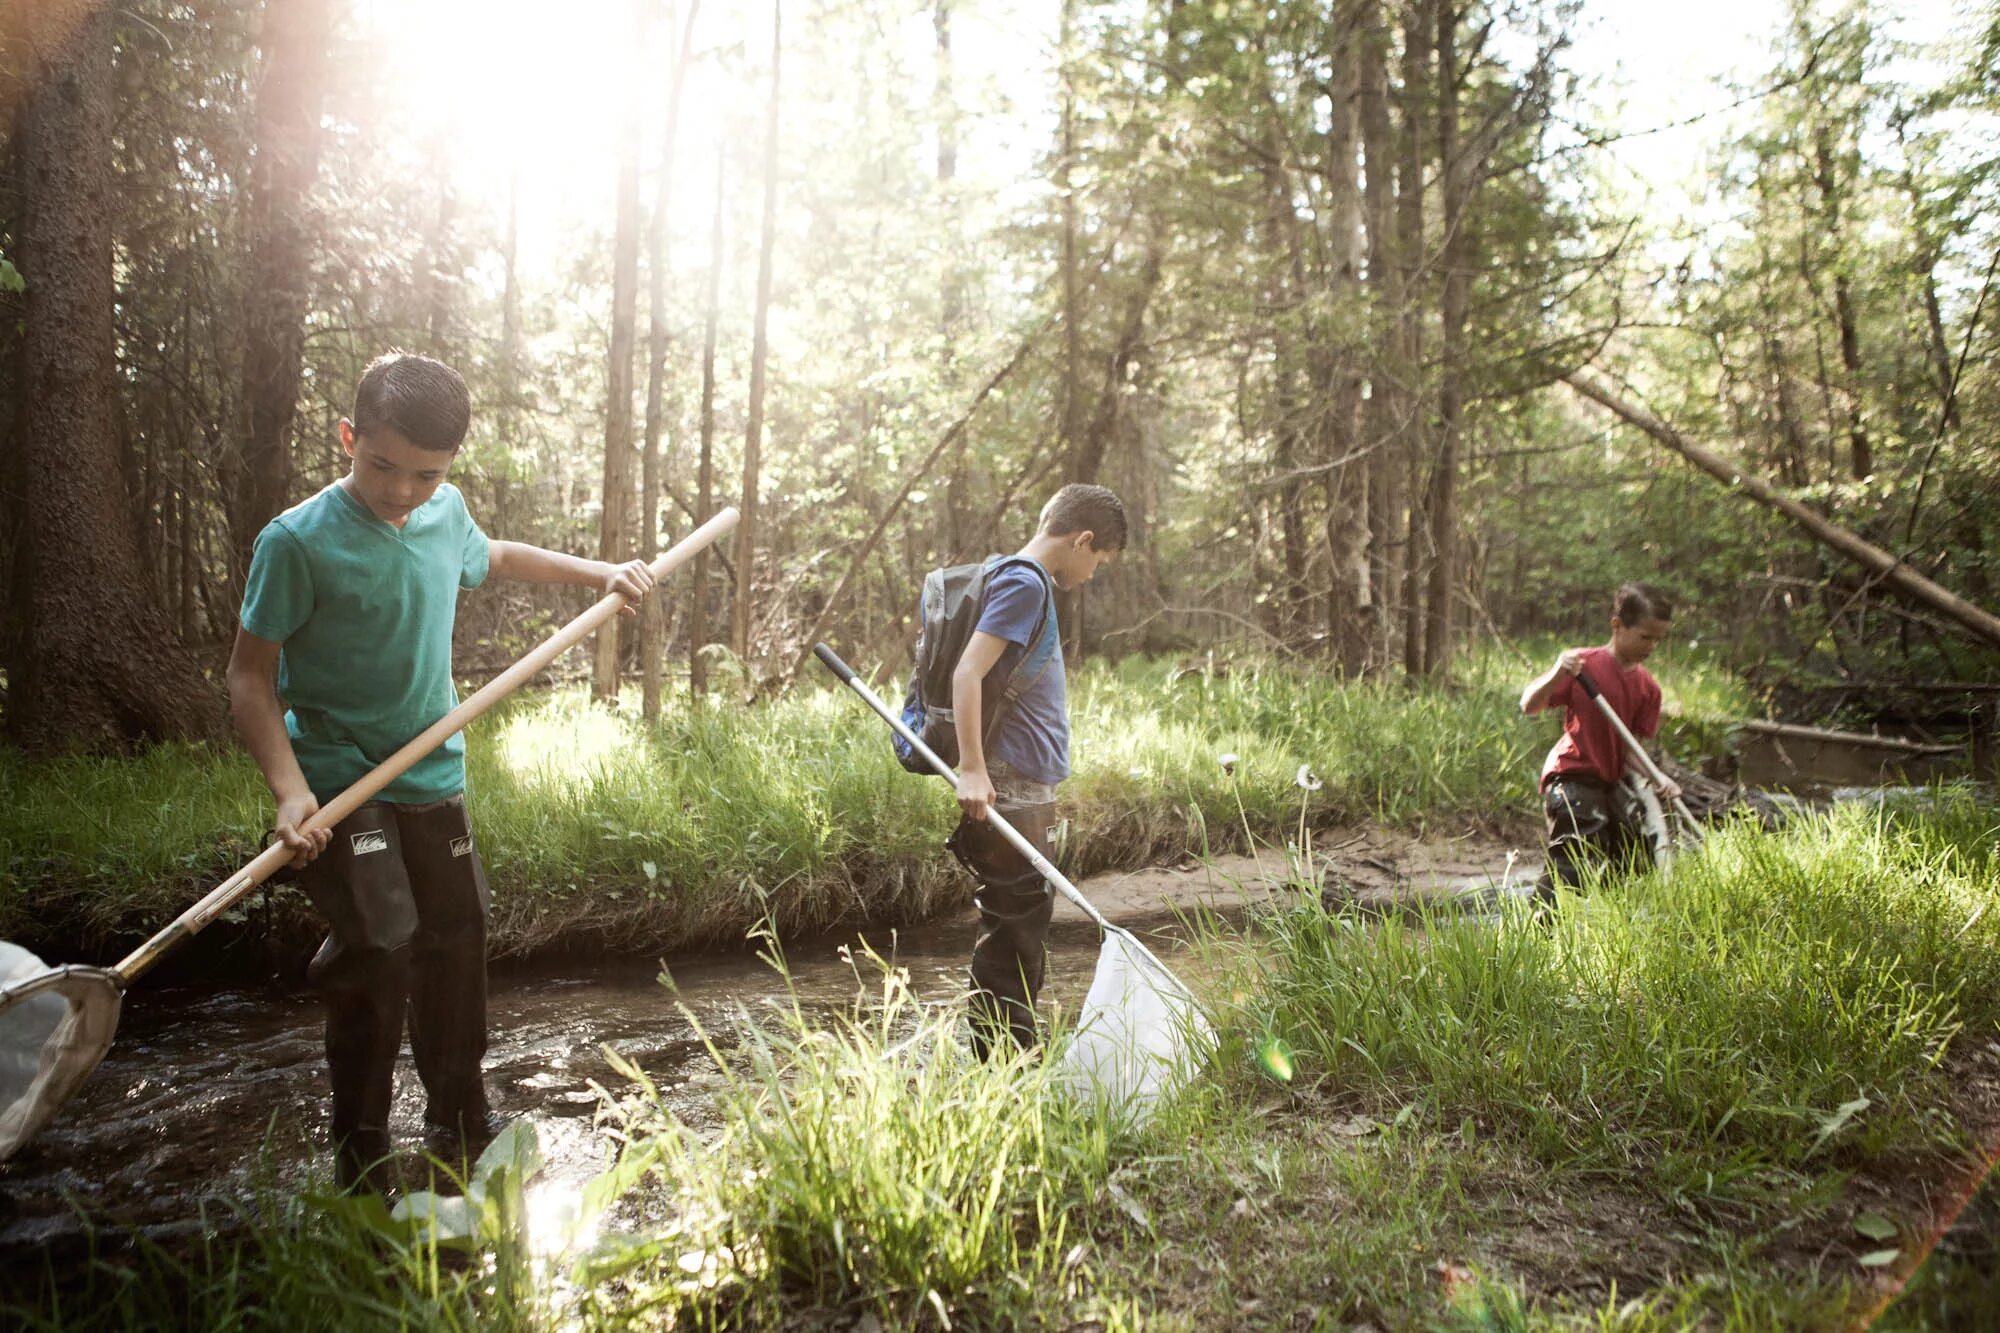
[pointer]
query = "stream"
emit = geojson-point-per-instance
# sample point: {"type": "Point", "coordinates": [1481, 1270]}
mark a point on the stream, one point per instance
{"type": "Point", "coordinates": [213, 1094]}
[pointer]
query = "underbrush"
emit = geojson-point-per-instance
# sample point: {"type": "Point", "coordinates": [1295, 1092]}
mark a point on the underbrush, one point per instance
{"type": "Point", "coordinates": [600, 830]}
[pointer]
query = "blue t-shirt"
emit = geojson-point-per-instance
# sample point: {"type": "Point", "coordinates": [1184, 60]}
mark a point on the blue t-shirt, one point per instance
{"type": "Point", "coordinates": [364, 612]}
{"type": "Point", "coordinates": [1033, 739]}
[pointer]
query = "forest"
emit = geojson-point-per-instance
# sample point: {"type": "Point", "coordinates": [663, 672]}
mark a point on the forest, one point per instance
{"type": "Point", "coordinates": [1407, 332]}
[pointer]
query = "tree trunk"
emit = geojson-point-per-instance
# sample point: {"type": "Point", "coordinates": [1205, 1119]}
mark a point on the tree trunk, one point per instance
{"type": "Point", "coordinates": [753, 434]}
{"type": "Point", "coordinates": [651, 621]}
{"type": "Point", "coordinates": [705, 477]}
{"type": "Point", "coordinates": [1410, 342]}
{"type": "Point", "coordinates": [510, 354]}
{"type": "Point", "coordinates": [1338, 384]}
{"type": "Point", "coordinates": [1385, 290]}
{"type": "Point", "coordinates": [296, 36]}
{"type": "Point", "coordinates": [1861, 457]}
{"type": "Point", "coordinates": [93, 661]}
{"type": "Point", "coordinates": [1443, 499]}
{"type": "Point", "coordinates": [614, 542]}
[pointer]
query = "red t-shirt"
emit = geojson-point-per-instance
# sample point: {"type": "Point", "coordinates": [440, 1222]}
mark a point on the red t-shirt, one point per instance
{"type": "Point", "coordinates": [1588, 743]}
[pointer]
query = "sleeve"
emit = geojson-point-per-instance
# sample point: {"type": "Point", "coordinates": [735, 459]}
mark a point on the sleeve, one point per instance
{"type": "Point", "coordinates": [1646, 716]}
{"type": "Point", "coordinates": [1013, 606]}
{"type": "Point", "coordinates": [476, 554]}
{"type": "Point", "coordinates": [1564, 694]}
{"type": "Point", "coordinates": [278, 594]}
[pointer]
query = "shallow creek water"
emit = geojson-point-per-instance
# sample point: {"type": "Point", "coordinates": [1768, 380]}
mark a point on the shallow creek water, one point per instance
{"type": "Point", "coordinates": [209, 1093]}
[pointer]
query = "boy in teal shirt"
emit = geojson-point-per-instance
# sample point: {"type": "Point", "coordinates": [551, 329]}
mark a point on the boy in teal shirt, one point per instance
{"type": "Point", "coordinates": [347, 617]}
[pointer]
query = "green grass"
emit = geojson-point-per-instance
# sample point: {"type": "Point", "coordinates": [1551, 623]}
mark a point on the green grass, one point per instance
{"type": "Point", "coordinates": [595, 827]}
{"type": "Point", "coordinates": [1645, 1114]}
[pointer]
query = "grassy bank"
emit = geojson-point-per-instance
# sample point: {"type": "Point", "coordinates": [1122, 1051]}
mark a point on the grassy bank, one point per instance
{"type": "Point", "coordinates": [1744, 1100]}
{"type": "Point", "coordinates": [598, 828]}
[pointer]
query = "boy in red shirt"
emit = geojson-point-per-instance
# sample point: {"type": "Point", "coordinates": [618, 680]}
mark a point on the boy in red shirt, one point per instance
{"type": "Point", "coordinates": [1589, 813]}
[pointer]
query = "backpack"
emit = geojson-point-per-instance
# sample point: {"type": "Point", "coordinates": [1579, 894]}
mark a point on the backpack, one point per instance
{"type": "Point", "coordinates": [947, 615]}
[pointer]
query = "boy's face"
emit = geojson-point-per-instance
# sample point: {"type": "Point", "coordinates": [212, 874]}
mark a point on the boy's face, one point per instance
{"type": "Point", "coordinates": [1633, 644]}
{"type": "Point", "coordinates": [390, 475]}
{"type": "Point", "coordinates": [1079, 561]}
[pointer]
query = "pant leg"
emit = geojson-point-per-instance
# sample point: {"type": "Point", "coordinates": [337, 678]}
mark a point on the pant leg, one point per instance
{"type": "Point", "coordinates": [448, 961]}
{"type": "Point", "coordinates": [1631, 850]}
{"type": "Point", "coordinates": [1577, 817]}
{"type": "Point", "coordinates": [362, 973]}
{"type": "Point", "coordinates": [1009, 956]}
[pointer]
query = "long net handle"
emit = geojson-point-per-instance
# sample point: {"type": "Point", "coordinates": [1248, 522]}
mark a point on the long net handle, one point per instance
{"type": "Point", "coordinates": [831, 660]}
{"type": "Point", "coordinates": [1639, 755]}
{"type": "Point", "coordinates": [222, 896]}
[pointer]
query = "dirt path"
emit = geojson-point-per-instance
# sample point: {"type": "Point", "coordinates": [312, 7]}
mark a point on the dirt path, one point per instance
{"type": "Point", "coordinates": [1370, 866]}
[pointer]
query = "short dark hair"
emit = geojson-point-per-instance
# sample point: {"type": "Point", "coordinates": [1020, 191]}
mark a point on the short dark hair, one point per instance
{"type": "Point", "coordinates": [1079, 507]}
{"type": "Point", "coordinates": [1640, 602]}
{"type": "Point", "coordinates": [420, 398]}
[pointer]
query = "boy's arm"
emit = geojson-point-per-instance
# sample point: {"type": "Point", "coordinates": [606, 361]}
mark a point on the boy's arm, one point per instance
{"type": "Point", "coordinates": [1536, 697]}
{"type": "Point", "coordinates": [968, 685]}
{"type": "Point", "coordinates": [533, 564]}
{"type": "Point", "coordinates": [260, 721]}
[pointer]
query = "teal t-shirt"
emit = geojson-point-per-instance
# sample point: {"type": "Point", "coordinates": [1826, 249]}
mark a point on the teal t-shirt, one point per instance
{"type": "Point", "coordinates": [364, 610]}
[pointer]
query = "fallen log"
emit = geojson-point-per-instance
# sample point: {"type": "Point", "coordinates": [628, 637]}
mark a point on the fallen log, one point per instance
{"type": "Point", "coordinates": [1889, 568]}
{"type": "Point", "coordinates": [1866, 740]}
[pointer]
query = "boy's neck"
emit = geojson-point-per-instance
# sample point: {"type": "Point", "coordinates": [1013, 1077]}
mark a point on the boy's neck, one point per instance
{"type": "Point", "coordinates": [1611, 647]}
{"type": "Point", "coordinates": [1041, 547]}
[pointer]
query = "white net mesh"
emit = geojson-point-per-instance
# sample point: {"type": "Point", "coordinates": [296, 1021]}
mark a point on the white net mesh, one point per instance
{"type": "Point", "coordinates": [55, 1025]}
{"type": "Point", "coordinates": [1140, 1031]}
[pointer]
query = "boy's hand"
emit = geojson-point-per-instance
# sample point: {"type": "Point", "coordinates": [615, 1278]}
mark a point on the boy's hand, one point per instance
{"type": "Point", "coordinates": [1670, 790]}
{"type": "Point", "coordinates": [1570, 662]}
{"type": "Point", "coordinates": [975, 792]}
{"type": "Point", "coordinates": [292, 812]}
{"type": "Point", "coordinates": [633, 579]}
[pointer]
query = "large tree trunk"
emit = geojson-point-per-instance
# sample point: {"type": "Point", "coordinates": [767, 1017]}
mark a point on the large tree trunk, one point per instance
{"type": "Point", "coordinates": [614, 541]}
{"type": "Point", "coordinates": [753, 434]}
{"type": "Point", "coordinates": [651, 619]}
{"type": "Point", "coordinates": [94, 662]}
{"type": "Point", "coordinates": [1443, 499]}
{"type": "Point", "coordinates": [296, 36]}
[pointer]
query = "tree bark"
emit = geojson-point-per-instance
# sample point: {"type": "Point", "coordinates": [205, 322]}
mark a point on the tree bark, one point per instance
{"type": "Point", "coordinates": [1861, 456]}
{"type": "Point", "coordinates": [753, 434]}
{"type": "Point", "coordinates": [705, 476]}
{"type": "Point", "coordinates": [1976, 621]}
{"type": "Point", "coordinates": [93, 661]}
{"type": "Point", "coordinates": [651, 621]}
{"type": "Point", "coordinates": [613, 541]}
{"type": "Point", "coordinates": [1442, 501]}
{"type": "Point", "coordinates": [296, 36]}
{"type": "Point", "coordinates": [1385, 296]}
{"type": "Point", "coordinates": [1410, 343]}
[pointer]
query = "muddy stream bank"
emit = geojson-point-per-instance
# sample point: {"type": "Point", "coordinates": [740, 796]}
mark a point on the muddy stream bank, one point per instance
{"type": "Point", "coordinates": [210, 1094]}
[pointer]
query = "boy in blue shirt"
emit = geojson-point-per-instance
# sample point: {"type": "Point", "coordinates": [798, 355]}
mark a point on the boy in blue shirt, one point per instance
{"type": "Point", "coordinates": [347, 617]}
{"type": "Point", "coordinates": [1017, 648]}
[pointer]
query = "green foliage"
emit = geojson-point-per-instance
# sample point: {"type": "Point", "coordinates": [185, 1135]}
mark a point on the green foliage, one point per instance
{"type": "Point", "coordinates": [1783, 1001]}
{"type": "Point", "coordinates": [594, 825]}
{"type": "Point", "coordinates": [864, 1160]}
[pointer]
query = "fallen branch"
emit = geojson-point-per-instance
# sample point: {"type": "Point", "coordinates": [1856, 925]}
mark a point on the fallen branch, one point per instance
{"type": "Point", "coordinates": [1861, 738]}
{"type": "Point", "coordinates": [1892, 571]}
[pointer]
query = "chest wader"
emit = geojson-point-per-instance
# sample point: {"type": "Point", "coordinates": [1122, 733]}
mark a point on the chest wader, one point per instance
{"type": "Point", "coordinates": [405, 899]}
{"type": "Point", "coordinates": [1009, 955]}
